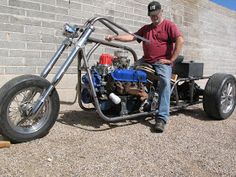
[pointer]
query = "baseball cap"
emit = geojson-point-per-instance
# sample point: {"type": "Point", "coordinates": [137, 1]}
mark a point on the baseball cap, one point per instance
{"type": "Point", "coordinates": [154, 8]}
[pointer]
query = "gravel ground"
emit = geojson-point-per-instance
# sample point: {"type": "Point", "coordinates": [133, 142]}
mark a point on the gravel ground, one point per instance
{"type": "Point", "coordinates": [81, 144]}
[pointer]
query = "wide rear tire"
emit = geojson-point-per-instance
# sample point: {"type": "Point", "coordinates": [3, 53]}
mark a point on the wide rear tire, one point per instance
{"type": "Point", "coordinates": [220, 96]}
{"type": "Point", "coordinates": [18, 96]}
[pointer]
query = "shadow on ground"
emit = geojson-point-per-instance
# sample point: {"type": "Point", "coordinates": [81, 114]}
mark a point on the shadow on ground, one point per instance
{"type": "Point", "coordinates": [92, 122]}
{"type": "Point", "coordinates": [196, 113]}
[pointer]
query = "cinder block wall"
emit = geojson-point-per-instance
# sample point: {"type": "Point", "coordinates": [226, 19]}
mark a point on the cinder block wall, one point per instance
{"type": "Point", "coordinates": [30, 31]}
{"type": "Point", "coordinates": [210, 34]}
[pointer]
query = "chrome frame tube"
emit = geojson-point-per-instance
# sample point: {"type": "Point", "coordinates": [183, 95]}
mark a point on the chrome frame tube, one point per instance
{"type": "Point", "coordinates": [92, 50]}
{"type": "Point", "coordinates": [114, 45]}
{"type": "Point", "coordinates": [78, 87]}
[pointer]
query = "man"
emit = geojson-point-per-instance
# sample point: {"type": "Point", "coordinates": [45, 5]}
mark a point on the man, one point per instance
{"type": "Point", "coordinates": [164, 46]}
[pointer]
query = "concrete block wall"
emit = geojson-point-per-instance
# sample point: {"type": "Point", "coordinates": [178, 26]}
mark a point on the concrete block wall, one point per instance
{"type": "Point", "coordinates": [210, 34]}
{"type": "Point", "coordinates": [30, 31]}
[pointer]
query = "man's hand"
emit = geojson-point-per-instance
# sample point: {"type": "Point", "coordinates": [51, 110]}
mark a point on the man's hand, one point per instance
{"type": "Point", "coordinates": [109, 38]}
{"type": "Point", "coordinates": [165, 61]}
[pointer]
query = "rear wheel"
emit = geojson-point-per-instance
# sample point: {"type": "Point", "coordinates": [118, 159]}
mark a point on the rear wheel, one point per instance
{"type": "Point", "coordinates": [219, 96]}
{"type": "Point", "coordinates": [17, 97]}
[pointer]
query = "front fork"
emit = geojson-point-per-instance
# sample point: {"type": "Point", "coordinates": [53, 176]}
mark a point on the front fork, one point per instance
{"type": "Point", "coordinates": [67, 42]}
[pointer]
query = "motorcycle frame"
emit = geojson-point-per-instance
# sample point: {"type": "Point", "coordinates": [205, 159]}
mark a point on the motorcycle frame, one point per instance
{"type": "Point", "coordinates": [79, 49]}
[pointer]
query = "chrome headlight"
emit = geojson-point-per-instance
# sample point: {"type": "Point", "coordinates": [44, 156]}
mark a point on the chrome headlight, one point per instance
{"type": "Point", "coordinates": [70, 31]}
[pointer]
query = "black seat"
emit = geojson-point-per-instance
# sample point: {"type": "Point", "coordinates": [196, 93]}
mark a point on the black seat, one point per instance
{"type": "Point", "coordinates": [179, 59]}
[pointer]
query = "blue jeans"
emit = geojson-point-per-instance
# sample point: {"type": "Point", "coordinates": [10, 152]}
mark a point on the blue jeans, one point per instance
{"type": "Point", "coordinates": [164, 75]}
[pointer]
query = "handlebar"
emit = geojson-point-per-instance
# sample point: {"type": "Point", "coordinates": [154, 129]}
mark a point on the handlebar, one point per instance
{"type": "Point", "coordinates": [109, 26]}
{"type": "Point", "coordinates": [107, 23]}
{"type": "Point", "coordinates": [71, 31]}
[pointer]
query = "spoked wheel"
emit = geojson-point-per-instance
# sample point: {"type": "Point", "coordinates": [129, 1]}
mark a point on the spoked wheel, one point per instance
{"type": "Point", "coordinates": [17, 98]}
{"type": "Point", "coordinates": [220, 96]}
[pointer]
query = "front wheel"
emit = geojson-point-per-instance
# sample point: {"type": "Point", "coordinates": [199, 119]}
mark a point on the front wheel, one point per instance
{"type": "Point", "coordinates": [17, 97]}
{"type": "Point", "coordinates": [219, 96]}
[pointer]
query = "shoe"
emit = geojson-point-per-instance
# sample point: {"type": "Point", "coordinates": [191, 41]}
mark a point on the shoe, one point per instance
{"type": "Point", "coordinates": [159, 125]}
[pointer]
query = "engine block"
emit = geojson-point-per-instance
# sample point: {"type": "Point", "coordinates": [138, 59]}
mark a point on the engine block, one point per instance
{"type": "Point", "coordinates": [129, 75]}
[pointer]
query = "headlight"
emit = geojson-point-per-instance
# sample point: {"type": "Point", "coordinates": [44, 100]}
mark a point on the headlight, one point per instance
{"type": "Point", "coordinates": [70, 31]}
{"type": "Point", "coordinates": [69, 28]}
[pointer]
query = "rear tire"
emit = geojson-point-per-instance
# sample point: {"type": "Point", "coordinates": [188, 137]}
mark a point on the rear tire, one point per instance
{"type": "Point", "coordinates": [219, 96]}
{"type": "Point", "coordinates": [19, 95]}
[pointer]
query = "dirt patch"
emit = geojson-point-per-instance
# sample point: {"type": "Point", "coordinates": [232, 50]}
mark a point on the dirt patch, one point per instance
{"type": "Point", "coordinates": [82, 144]}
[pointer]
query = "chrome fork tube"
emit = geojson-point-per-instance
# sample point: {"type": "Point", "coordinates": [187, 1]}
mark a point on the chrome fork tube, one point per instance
{"type": "Point", "coordinates": [54, 59]}
{"type": "Point", "coordinates": [83, 39]}
{"type": "Point", "coordinates": [72, 55]}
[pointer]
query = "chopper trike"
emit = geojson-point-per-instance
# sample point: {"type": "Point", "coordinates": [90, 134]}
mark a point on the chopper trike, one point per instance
{"type": "Point", "coordinates": [29, 104]}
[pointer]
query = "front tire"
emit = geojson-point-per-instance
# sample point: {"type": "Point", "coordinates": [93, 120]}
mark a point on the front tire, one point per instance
{"type": "Point", "coordinates": [219, 96]}
{"type": "Point", "coordinates": [17, 97]}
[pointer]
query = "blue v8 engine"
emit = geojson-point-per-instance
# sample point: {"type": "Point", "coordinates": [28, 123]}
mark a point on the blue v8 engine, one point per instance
{"type": "Point", "coordinates": [120, 89]}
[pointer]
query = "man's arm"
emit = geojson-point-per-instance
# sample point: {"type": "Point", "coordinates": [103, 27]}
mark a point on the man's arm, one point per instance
{"type": "Point", "coordinates": [178, 46]}
{"type": "Point", "coordinates": [122, 38]}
